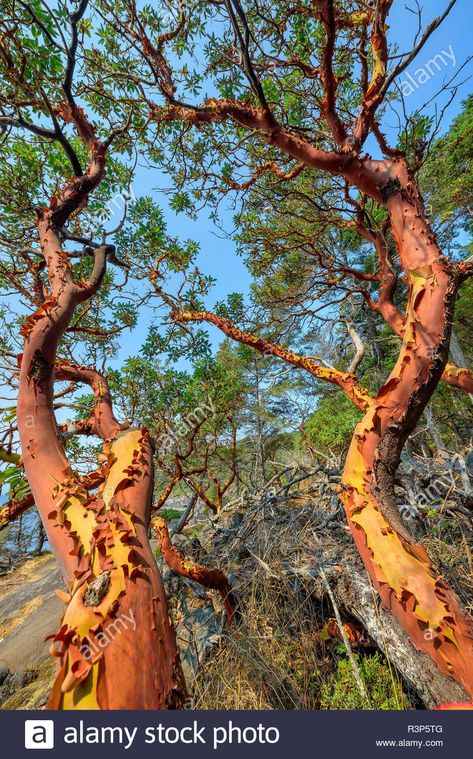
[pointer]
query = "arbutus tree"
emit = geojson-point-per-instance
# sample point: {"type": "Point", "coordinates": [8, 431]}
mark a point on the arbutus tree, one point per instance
{"type": "Point", "coordinates": [302, 87]}
{"type": "Point", "coordinates": [116, 646]}
{"type": "Point", "coordinates": [99, 539]}
{"type": "Point", "coordinates": [298, 88]}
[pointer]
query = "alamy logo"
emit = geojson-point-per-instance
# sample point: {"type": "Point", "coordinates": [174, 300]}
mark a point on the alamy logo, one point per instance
{"type": "Point", "coordinates": [39, 733]}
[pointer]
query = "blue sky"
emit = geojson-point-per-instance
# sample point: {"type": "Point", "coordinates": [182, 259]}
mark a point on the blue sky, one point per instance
{"type": "Point", "coordinates": [218, 256]}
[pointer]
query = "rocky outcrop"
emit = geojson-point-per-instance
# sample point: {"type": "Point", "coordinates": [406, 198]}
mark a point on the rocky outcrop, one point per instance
{"type": "Point", "coordinates": [29, 612]}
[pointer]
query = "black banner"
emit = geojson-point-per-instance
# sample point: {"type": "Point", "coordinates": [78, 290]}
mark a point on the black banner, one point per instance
{"type": "Point", "coordinates": [266, 735]}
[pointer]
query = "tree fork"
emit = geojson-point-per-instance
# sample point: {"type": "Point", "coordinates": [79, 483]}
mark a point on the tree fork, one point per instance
{"type": "Point", "coordinates": [116, 621]}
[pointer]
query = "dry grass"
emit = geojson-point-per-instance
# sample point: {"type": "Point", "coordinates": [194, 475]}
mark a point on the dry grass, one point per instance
{"type": "Point", "coordinates": [273, 659]}
{"type": "Point", "coordinates": [280, 655]}
{"type": "Point", "coordinates": [450, 546]}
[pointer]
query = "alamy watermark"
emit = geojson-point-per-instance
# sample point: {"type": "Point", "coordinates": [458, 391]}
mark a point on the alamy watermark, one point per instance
{"type": "Point", "coordinates": [104, 637]}
{"type": "Point", "coordinates": [168, 440]}
{"type": "Point", "coordinates": [435, 494]}
{"type": "Point", "coordinates": [427, 71]}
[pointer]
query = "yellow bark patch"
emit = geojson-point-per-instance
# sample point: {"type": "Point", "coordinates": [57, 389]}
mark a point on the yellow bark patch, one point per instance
{"type": "Point", "coordinates": [103, 529]}
{"type": "Point", "coordinates": [84, 695]}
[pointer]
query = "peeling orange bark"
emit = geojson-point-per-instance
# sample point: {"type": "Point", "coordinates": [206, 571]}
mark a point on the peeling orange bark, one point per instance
{"type": "Point", "coordinates": [116, 646]}
{"type": "Point", "coordinates": [13, 509]}
{"type": "Point", "coordinates": [93, 536]}
{"type": "Point", "coordinates": [103, 422]}
{"type": "Point", "coordinates": [459, 377]}
{"type": "Point", "coordinates": [401, 570]}
{"type": "Point", "coordinates": [453, 375]}
{"type": "Point", "coordinates": [125, 628]}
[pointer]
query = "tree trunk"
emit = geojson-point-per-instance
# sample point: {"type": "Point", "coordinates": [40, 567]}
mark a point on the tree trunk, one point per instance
{"type": "Point", "coordinates": [400, 569]}
{"type": "Point", "coordinates": [40, 538]}
{"type": "Point", "coordinates": [433, 429]}
{"type": "Point", "coordinates": [354, 593]}
{"type": "Point", "coordinates": [260, 470]}
{"type": "Point", "coordinates": [116, 645]}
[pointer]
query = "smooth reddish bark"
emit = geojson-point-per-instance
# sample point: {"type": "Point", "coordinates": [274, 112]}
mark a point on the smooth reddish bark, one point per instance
{"type": "Point", "coordinates": [100, 541]}
{"type": "Point", "coordinates": [214, 579]}
{"type": "Point", "coordinates": [401, 570]}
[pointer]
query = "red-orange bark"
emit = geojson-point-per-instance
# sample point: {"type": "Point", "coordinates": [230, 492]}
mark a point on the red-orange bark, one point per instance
{"type": "Point", "coordinates": [453, 375]}
{"type": "Point", "coordinates": [13, 509]}
{"type": "Point", "coordinates": [401, 570]}
{"type": "Point", "coordinates": [344, 380]}
{"type": "Point", "coordinates": [459, 377]}
{"type": "Point", "coordinates": [100, 541]}
{"type": "Point", "coordinates": [214, 579]}
{"type": "Point", "coordinates": [102, 422]}
{"type": "Point", "coordinates": [118, 652]}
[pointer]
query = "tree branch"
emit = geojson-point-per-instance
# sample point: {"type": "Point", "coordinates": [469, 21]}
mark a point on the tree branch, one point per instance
{"type": "Point", "coordinates": [209, 578]}
{"type": "Point", "coordinates": [367, 176]}
{"type": "Point", "coordinates": [344, 380]}
{"type": "Point", "coordinates": [105, 424]}
{"type": "Point", "coordinates": [329, 80]}
{"type": "Point", "coordinates": [413, 54]}
{"type": "Point", "coordinates": [359, 347]}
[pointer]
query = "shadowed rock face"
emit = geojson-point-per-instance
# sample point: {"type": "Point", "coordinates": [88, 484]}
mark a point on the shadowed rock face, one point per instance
{"type": "Point", "coordinates": [29, 611]}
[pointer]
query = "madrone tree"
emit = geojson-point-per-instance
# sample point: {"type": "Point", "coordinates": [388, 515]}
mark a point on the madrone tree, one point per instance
{"type": "Point", "coordinates": [301, 88]}
{"type": "Point", "coordinates": [54, 161]}
{"type": "Point", "coordinates": [295, 89]}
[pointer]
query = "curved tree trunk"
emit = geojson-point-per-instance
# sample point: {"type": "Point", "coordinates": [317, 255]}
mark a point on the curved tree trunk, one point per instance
{"type": "Point", "coordinates": [209, 578]}
{"type": "Point", "coordinates": [401, 570]}
{"type": "Point", "coordinates": [355, 594]}
{"type": "Point", "coordinates": [116, 645]}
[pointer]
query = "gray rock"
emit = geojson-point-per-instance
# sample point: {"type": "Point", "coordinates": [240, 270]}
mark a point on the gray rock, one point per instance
{"type": "Point", "coordinates": [200, 631]}
{"type": "Point", "coordinates": [19, 679]}
{"type": "Point", "coordinates": [4, 693]}
{"type": "Point", "coordinates": [4, 672]}
{"type": "Point", "coordinates": [469, 463]}
{"type": "Point", "coordinates": [5, 564]}
{"type": "Point", "coordinates": [230, 520]}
